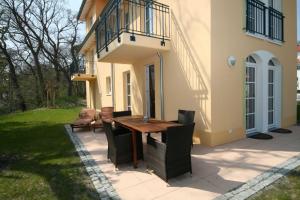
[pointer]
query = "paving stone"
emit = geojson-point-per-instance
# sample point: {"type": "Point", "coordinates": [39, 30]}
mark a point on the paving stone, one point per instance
{"type": "Point", "coordinates": [262, 181]}
{"type": "Point", "coordinates": [98, 178]}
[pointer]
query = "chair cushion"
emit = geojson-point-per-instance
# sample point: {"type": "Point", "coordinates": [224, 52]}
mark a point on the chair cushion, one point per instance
{"type": "Point", "coordinates": [85, 121]}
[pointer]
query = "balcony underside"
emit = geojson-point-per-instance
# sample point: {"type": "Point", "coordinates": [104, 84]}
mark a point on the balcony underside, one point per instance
{"type": "Point", "coordinates": [128, 52]}
{"type": "Point", "coordinates": [83, 77]}
{"type": "Point", "coordinates": [88, 43]}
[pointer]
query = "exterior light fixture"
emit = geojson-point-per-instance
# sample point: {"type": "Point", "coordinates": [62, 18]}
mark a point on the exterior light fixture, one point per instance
{"type": "Point", "coordinates": [231, 61]}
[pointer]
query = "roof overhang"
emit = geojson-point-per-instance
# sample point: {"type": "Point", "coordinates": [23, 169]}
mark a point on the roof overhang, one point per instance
{"type": "Point", "coordinates": [84, 9]}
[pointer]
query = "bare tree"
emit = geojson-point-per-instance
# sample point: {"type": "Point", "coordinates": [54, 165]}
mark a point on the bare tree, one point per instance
{"type": "Point", "coordinates": [12, 69]}
{"type": "Point", "coordinates": [44, 36]}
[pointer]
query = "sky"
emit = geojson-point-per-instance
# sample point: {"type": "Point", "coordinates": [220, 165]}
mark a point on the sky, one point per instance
{"type": "Point", "coordinates": [75, 5]}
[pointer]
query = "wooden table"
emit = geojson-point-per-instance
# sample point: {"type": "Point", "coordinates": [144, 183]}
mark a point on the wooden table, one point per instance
{"type": "Point", "coordinates": [136, 124]}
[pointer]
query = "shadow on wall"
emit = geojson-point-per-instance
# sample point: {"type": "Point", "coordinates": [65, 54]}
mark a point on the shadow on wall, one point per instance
{"type": "Point", "coordinates": [194, 82]}
{"type": "Point", "coordinates": [137, 104]}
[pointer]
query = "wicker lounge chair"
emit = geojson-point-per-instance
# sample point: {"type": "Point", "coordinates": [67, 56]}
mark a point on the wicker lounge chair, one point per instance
{"type": "Point", "coordinates": [172, 158]}
{"type": "Point", "coordinates": [97, 123]}
{"type": "Point", "coordinates": [86, 117]}
{"type": "Point", "coordinates": [107, 113]}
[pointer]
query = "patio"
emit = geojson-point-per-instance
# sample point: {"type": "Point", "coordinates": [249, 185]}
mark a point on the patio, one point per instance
{"type": "Point", "coordinates": [215, 170]}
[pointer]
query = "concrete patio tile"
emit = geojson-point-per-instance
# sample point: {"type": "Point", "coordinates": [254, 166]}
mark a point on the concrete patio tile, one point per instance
{"type": "Point", "coordinates": [123, 179]}
{"type": "Point", "coordinates": [215, 170]}
{"type": "Point", "coordinates": [153, 188]}
{"type": "Point", "coordinates": [223, 184]}
{"type": "Point", "coordinates": [199, 190]}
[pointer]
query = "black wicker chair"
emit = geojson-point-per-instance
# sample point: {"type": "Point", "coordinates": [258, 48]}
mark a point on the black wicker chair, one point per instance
{"type": "Point", "coordinates": [119, 145]}
{"type": "Point", "coordinates": [121, 113]}
{"type": "Point", "coordinates": [184, 117]}
{"type": "Point", "coordinates": [172, 158]}
{"type": "Point", "coordinates": [119, 130]}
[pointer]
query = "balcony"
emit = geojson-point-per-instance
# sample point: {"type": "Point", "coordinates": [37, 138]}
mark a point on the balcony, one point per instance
{"type": "Point", "coordinates": [264, 21]}
{"type": "Point", "coordinates": [132, 30]}
{"type": "Point", "coordinates": [82, 75]}
{"type": "Point", "coordinates": [89, 40]}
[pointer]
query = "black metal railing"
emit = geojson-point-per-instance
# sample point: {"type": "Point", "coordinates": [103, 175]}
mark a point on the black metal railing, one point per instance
{"type": "Point", "coordinates": [137, 17]}
{"type": "Point", "coordinates": [82, 67]}
{"type": "Point", "coordinates": [264, 20]}
{"type": "Point", "coordinates": [80, 70]}
{"type": "Point", "coordinates": [276, 25]}
{"type": "Point", "coordinates": [88, 35]}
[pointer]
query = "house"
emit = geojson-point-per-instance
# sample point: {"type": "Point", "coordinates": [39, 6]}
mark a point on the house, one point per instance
{"type": "Point", "coordinates": [230, 61]}
{"type": "Point", "coordinates": [298, 70]}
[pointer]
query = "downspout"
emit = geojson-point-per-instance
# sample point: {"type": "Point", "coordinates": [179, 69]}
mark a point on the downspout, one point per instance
{"type": "Point", "coordinates": [113, 84]}
{"type": "Point", "coordinates": [162, 100]}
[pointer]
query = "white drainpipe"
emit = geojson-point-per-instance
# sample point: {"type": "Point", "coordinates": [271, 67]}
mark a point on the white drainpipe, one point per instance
{"type": "Point", "coordinates": [162, 103]}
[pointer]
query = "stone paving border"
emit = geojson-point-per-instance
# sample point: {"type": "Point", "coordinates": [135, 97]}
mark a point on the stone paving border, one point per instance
{"type": "Point", "coordinates": [102, 185]}
{"type": "Point", "coordinates": [261, 181]}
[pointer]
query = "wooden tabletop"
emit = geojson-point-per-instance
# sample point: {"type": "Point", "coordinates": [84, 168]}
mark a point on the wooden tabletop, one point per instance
{"type": "Point", "coordinates": [137, 123]}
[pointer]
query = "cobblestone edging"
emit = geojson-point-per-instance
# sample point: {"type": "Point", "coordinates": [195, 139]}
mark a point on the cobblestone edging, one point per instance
{"type": "Point", "coordinates": [260, 182]}
{"type": "Point", "coordinates": [100, 181]}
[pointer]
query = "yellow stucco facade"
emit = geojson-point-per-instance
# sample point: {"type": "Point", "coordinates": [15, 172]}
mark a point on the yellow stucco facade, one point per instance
{"type": "Point", "coordinates": [196, 75]}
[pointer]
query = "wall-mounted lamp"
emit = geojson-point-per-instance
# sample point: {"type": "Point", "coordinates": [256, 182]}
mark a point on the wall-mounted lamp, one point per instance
{"type": "Point", "coordinates": [231, 61]}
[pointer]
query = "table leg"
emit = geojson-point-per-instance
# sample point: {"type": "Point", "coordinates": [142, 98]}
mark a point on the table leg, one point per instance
{"type": "Point", "coordinates": [134, 149]}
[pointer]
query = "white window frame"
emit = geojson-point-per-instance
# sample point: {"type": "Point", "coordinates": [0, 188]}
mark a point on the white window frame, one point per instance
{"type": "Point", "coordinates": [108, 86]}
{"type": "Point", "coordinates": [255, 98]}
{"type": "Point", "coordinates": [128, 94]}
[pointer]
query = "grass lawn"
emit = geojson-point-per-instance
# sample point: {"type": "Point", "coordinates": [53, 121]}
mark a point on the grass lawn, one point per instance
{"type": "Point", "coordinates": [38, 160]}
{"type": "Point", "coordinates": [287, 188]}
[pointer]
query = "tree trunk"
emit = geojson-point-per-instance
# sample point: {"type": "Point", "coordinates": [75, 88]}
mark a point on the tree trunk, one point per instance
{"type": "Point", "coordinates": [37, 91]}
{"type": "Point", "coordinates": [40, 77]}
{"type": "Point", "coordinates": [14, 80]}
{"type": "Point", "coordinates": [70, 83]}
{"type": "Point", "coordinates": [57, 77]}
{"type": "Point", "coordinates": [70, 87]}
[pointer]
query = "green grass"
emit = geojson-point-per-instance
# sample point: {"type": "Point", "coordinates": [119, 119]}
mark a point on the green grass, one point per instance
{"type": "Point", "coordinates": [287, 188]}
{"type": "Point", "coordinates": [42, 162]}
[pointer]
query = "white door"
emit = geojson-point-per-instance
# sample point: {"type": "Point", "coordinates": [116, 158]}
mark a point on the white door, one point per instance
{"type": "Point", "coordinates": [271, 99]}
{"type": "Point", "coordinates": [250, 97]}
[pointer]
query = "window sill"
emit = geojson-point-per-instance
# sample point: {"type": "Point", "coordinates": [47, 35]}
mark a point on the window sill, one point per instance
{"type": "Point", "coordinates": [262, 37]}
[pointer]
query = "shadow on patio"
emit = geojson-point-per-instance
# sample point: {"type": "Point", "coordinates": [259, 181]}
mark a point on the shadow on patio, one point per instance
{"type": "Point", "coordinates": [215, 170]}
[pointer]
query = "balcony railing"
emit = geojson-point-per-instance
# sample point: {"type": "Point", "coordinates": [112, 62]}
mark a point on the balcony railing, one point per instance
{"type": "Point", "coordinates": [88, 35]}
{"type": "Point", "coordinates": [136, 17]}
{"type": "Point", "coordinates": [264, 20]}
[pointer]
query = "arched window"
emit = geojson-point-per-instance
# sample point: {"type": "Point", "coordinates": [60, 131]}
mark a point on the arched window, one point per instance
{"type": "Point", "coordinates": [271, 63]}
{"type": "Point", "coordinates": [250, 59]}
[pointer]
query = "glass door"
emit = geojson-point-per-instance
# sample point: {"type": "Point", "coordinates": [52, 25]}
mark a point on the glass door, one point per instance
{"type": "Point", "coordinates": [150, 91]}
{"type": "Point", "coordinates": [271, 98]}
{"type": "Point", "coordinates": [250, 96]}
